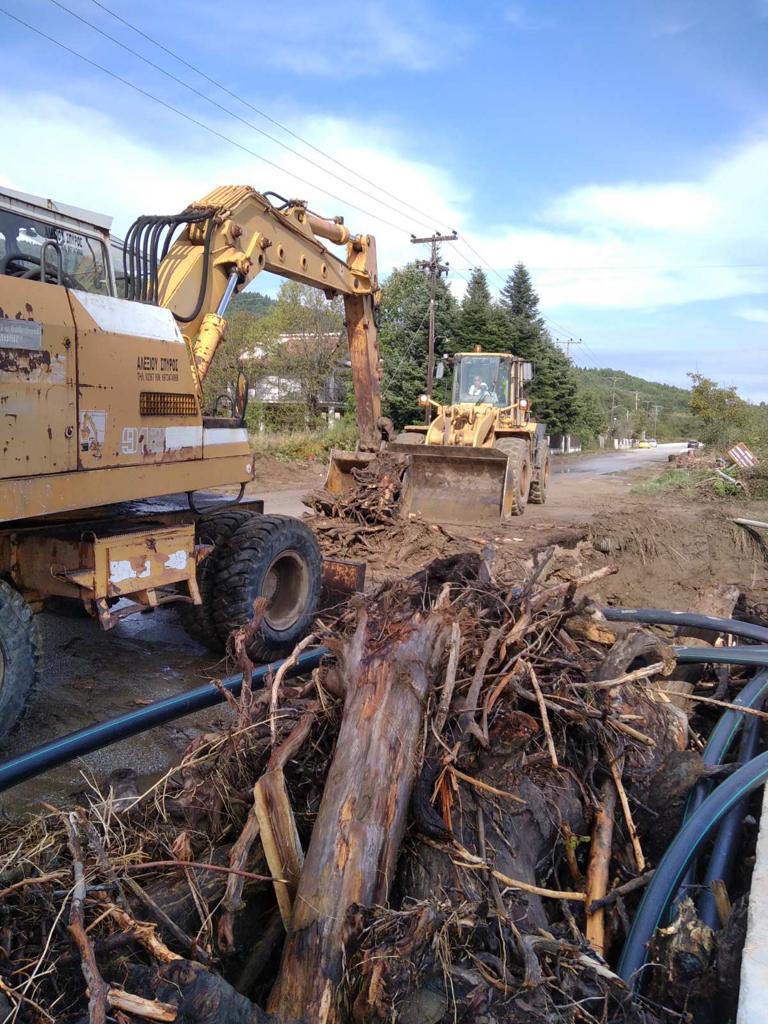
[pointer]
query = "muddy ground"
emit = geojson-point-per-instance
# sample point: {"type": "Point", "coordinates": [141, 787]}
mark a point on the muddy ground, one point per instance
{"type": "Point", "coordinates": [667, 549]}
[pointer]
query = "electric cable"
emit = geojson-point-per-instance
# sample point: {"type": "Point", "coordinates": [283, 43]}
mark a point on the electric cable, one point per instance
{"type": "Point", "coordinates": [266, 116]}
{"type": "Point", "coordinates": [200, 124]}
{"type": "Point", "coordinates": [231, 113]}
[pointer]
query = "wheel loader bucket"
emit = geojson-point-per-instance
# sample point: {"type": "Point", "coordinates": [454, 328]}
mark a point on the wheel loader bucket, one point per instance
{"type": "Point", "coordinates": [455, 485]}
{"type": "Point", "coordinates": [339, 479]}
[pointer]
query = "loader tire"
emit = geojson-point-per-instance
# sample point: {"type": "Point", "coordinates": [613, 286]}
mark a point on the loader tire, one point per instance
{"type": "Point", "coordinates": [276, 557]}
{"type": "Point", "coordinates": [215, 528]}
{"type": "Point", "coordinates": [408, 437]}
{"type": "Point", "coordinates": [21, 652]}
{"type": "Point", "coordinates": [540, 481]}
{"type": "Point", "coordinates": [517, 483]}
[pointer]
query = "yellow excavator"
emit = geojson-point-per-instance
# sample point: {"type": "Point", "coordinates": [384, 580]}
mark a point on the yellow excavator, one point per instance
{"type": "Point", "coordinates": [105, 451]}
{"type": "Point", "coordinates": [480, 459]}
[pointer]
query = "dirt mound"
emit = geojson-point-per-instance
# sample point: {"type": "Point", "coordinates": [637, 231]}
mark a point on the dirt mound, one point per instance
{"type": "Point", "coordinates": [668, 556]}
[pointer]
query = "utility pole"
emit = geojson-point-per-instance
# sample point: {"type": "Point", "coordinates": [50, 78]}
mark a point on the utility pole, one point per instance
{"type": "Point", "coordinates": [435, 268]}
{"type": "Point", "coordinates": [613, 404]}
{"type": "Point", "coordinates": [568, 343]}
{"type": "Point", "coordinates": [656, 410]}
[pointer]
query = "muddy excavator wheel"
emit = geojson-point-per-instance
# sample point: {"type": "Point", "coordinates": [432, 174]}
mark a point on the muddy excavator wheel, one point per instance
{"type": "Point", "coordinates": [20, 657]}
{"type": "Point", "coordinates": [215, 528]}
{"type": "Point", "coordinates": [517, 483]}
{"type": "Point", "coordinates": [275, 557]}
{"type": "Point", "coordinates": [540, 481]}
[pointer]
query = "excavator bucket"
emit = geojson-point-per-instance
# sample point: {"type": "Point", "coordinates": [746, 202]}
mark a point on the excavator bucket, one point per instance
{"type": "Point", "coordinates": [339, 479]}
{"type": "Point", "coordinates": [454, 484]}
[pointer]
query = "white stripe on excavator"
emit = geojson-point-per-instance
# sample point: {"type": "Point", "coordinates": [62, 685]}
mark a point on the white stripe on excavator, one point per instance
{"type": "Point", "coordinates": [225, 435]}
{"type": "Point", "coordinates": [182, 437]}
{"type": "Point", "coordinates": [119, 316]}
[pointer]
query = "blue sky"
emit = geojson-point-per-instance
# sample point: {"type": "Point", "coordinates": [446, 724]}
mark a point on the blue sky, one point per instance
{"type": "Point", "coordinates": [620, 149]}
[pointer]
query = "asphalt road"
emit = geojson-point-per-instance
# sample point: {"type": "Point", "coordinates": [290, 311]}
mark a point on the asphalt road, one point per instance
{"type": "Point", "coordinates": [89, 675]}
{"type": "Point", "coordinates": [620, 461]}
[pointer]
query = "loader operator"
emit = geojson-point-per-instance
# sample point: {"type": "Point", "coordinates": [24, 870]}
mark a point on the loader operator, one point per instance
{"type": "Point", "coordinates": [478, 387]}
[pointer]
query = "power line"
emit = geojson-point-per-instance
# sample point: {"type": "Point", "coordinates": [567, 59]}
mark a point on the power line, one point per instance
{"type": "Point", "coordinates": [231, 113]}
{"type": "Point", "coordinates": [200, 124]}
{"type": "Point", "coordinates": [262, 113]}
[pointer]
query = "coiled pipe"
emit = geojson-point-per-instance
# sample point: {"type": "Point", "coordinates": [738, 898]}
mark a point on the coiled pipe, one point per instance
{"type": "Point", "coordinates": [678, 856]}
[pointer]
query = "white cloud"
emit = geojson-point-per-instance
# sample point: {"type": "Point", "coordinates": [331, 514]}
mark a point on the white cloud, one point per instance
{"type": "Point", "coordinates": [519, 16]}
{"type": "Point", "coordinates": [327, 39]}
{"type": "Point", "coordinates": [677, 207]}
{"type": "Point", "coordinates": [755, 313]}
{"type": "Point", "coordinates": [626, 245]}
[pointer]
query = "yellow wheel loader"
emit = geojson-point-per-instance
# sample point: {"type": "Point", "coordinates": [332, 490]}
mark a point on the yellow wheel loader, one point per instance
{"type": "Point", "coordinates": [104, 447]}
{"type": "Point", "coordinates": [481, 459]}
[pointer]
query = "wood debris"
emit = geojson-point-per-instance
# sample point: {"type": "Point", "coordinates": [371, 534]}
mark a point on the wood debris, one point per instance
{"type": "Point", "coordinates": [447, 823]}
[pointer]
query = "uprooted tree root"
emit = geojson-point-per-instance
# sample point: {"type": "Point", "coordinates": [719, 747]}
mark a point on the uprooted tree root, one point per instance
{"type": "Point", "coordinates": [452, 857]}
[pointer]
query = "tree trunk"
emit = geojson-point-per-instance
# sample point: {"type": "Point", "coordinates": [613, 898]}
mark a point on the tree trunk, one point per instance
{"type": "Point", "coordinates": [388, 669]}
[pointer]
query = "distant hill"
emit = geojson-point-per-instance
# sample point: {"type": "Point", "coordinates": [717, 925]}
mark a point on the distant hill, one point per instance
{"type": "Point", "coordinates": [251, 302]}
{"type": "Point", "coordinates": [662, 410]}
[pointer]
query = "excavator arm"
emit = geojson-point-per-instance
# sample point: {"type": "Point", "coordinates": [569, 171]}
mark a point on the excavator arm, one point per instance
{"type": "Point", "coordinates": [235, 233]}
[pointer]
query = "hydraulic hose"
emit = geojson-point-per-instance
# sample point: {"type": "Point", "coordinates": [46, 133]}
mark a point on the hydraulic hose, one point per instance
{"type": "Point", "coordinates": [94, 737]}
{"type": "Point", "coordinates": [659, 617]}
{"type": "Point", "coordinates": [678, 856]}
{"type": "Point", "coordinates": [720, 864]}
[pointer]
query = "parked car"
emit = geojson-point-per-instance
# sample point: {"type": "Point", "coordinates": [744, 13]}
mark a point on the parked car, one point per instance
{"type": "Point", "coordinates": [695, 444]}
{"type": "Point", "coordinates": [652, 442]}
{"type": "Point", "coordinates": [643, 444]}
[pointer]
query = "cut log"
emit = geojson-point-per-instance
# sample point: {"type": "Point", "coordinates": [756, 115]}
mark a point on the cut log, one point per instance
{"type": "Point", "coordinates": [388, 669]}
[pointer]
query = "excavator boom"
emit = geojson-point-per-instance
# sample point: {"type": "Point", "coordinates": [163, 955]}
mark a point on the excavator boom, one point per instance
{"type": "Point", "coordinates": [230, 236]}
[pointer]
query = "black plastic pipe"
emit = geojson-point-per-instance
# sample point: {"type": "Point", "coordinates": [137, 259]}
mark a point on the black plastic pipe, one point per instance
{"type": "Point", "coordinates": [722, 736]}
{"type": "Point", "coordinates": [678, 856]}
{"type": "Point", "coordinates": [94, 737]}
{"type": "Point", "coordinates": [721, 860]}
{"type": "Point", "coordinates": [660, 617]}
{"type": "Point", "coordinates": [755, 656]}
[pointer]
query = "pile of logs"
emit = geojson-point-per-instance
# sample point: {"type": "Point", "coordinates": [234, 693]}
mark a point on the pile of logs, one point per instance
{"type": "Point", "coordinates": [445, 823]}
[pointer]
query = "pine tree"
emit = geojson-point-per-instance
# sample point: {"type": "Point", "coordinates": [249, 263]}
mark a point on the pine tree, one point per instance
{"type": "Point", "coordinates": [554, 390]}
{"type": "Point", "coordinates": [476, 313]}
{"type": "Point", "coordinates": [518, 296]}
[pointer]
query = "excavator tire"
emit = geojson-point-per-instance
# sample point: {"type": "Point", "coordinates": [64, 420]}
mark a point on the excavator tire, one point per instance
{"type": "Point", "coordinates": [21, 652]}
{"type": "Point", "coordinates": [540, 481]}
{"type": "Point", "coordinates": [214, 528]}
{"type": "Point", "coordinates": [276, 557]}
{"type": "Point", "coordinates": [517, 483]}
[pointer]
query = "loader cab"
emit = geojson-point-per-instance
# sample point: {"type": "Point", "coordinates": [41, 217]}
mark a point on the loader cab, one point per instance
{"type": "Point", "coordinates": [483, 378]}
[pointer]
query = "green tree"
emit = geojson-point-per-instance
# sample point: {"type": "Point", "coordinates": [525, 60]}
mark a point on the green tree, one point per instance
{"type": "Point", "coordinates": [518, 296]}
{"type": "Point", "coordinates": [554, 390]}
{"type": "Point", "coordinates": [475, 316]}
{"type": "Point", "coordinates": [231, 357]}
{"type": "Point", "coordinates": [301, 340]}
{"type": "Point", "coordinates": [404, 340]}
{"type": "Point", "coordinates": [724, 413]}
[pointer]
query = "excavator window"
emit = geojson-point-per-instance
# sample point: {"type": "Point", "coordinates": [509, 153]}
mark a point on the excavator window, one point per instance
{"type": "Point", "coordinates": [38, 251]}
{"type": "Point", "coordinates": [482, 379]}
